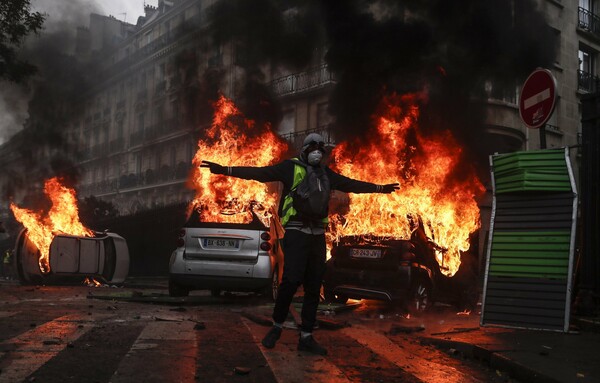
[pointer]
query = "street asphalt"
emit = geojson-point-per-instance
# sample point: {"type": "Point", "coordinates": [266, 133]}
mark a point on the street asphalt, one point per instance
{"type": "Point", "coordinates": [528, 356]}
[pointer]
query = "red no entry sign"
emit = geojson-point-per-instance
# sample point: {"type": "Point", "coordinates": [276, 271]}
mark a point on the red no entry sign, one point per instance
{"type": "Point", "coordinates": [538, 97]}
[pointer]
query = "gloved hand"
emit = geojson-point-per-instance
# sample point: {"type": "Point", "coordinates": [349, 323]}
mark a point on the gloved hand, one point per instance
{"type": "Point", "coordinates": [213, 167]}
{"type": "Point", "coordinates": [389, 188]}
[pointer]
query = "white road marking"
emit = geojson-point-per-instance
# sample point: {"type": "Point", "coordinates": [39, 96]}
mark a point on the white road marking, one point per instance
{"type": "Point", "coordinates": [37, 346]}
{"type": "Point", "coordinates": [289, 366]}
{"type": "Point", "coordinates": [424, 369]}
{"type": "Point", "coordinates": [152, 340]}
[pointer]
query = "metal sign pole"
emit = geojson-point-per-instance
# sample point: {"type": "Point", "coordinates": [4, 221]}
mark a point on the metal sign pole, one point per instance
{"type": "Point", "coordinates": [543, 136]}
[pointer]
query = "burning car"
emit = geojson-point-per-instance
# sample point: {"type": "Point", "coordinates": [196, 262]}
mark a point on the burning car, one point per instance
{"type": "Point", "coordinates": [396, 270]}
{"type": "Point", "coordinates": [103, 257]}
{"type": "Point", "coordinates": [371, 267]}
{"type": "Point", "coordinates": [55, 246]}
{"type": "Point", "coordinates": [227, 256]}
{"type": "Point", "coordinates": [230, 240]}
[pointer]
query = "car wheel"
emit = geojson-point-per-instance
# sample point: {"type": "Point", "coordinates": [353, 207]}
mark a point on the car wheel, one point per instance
{"type": "Point", "coordinates": [419, 297]}
{"type": "Point", "coordinates": [334, 298]}
{"type": "Point", "coordinates": [215, 292]}
{"type": "Point", "coordinates": [176, 290]}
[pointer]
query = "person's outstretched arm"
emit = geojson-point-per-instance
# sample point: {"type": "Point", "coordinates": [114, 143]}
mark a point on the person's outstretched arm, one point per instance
{"type": "Point", "coordinates": [277, 172]}
{"type": "Point", "coordinates": [349, 185]}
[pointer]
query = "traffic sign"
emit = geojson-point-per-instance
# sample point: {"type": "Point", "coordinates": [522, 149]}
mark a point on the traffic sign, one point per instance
{"type": "Point", "coordinates": [538, 98]}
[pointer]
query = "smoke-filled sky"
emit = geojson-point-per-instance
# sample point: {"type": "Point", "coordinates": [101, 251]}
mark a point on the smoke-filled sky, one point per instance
{"type": "Point", "coordinates": [450, 49]}
{"type": "Point", "coordinates": [13, 98]}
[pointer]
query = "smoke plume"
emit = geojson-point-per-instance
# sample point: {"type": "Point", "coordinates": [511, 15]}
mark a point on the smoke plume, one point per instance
{"type": "Point", "coordinates": [448, 48]}
{"type": "Point", "coordinates": [41, 110]}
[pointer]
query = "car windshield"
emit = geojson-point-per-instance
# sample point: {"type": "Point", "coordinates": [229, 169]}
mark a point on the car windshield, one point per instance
{"type": "Point", "coordinates": [255, 217]}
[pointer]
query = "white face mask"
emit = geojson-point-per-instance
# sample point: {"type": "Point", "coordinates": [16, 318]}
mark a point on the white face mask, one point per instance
{"type": "Point", "coordinates": [314, 157]}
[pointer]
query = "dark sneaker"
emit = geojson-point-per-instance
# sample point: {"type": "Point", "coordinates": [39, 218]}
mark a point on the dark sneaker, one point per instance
{"type": "Point", "coordinates": [272, 336]}
{"type": "Point", "coordinates": [309, 344]}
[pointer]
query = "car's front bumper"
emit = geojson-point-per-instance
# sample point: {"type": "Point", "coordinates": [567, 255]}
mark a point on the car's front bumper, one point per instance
{"type": "Point", "coordinates": [368, 284]}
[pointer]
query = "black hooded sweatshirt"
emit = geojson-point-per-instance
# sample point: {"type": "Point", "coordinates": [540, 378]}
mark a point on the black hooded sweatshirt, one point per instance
{"type": "Point", "coordinates": [284, 173]}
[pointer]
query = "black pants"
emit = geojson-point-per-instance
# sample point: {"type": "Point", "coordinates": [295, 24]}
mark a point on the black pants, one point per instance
{"type": "Point", "coordinates": [304, 264]}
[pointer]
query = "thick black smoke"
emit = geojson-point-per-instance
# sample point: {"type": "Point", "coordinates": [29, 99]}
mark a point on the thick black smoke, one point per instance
{"type": "Point", "coordinates": [53, 99]}
{"type": "Point", "coordinates": [266, 33]}
{"type": "Point", "coordinates": [450, 48]}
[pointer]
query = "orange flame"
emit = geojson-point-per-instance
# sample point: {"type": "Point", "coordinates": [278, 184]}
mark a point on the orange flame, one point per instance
{"type": "Point", "coordinates": [234, 140]}
{"type": "Point", "coordinates": [91, 282]}
{"type": "Point", "coordinates": [447, 208]}
{"type": "Point", "coordinates": [396, 151]}
{"type": "Point", "coordinates": [62, 218]}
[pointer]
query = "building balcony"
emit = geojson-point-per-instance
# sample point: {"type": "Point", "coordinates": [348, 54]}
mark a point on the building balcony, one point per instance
{"type": "Point", "coordinates": [302, 82]}
{"type": "Point", "coordinates": [158, 131]}
{"type": "Point", "coordinates": [589, 22]}
{"type": "Point", "coordinates": [587, 82]}
{"type": "Point", "coordinates": [164, 176]}
{"type": "Point", "coordinates": [296, 139]}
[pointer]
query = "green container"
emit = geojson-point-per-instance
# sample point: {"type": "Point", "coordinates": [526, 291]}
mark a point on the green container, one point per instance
{"type": "Point", "coordinates": [543, 170]}
{"type": "Point", "coordinates": [530, 254]}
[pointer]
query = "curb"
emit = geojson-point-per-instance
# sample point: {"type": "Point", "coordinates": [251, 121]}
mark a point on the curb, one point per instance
{"type": "Point", "coordinates": [591, 324]}
{"type": "Point", "coordinates": [493, 360]}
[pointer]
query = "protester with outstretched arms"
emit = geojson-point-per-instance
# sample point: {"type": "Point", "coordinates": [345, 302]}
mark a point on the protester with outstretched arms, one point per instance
{"type": "Point", "coordinates": [307, 184]}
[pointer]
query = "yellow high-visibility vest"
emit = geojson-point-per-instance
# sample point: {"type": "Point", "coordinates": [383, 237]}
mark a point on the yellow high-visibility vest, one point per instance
{"type": "Point", "coordinates": [288, 210]}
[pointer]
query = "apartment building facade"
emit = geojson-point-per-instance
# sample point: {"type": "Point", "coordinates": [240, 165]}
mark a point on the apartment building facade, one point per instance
{"type": "Point", "coordinates": [140, 134]}
{"type": "Point", "coordinates": [137, 132]}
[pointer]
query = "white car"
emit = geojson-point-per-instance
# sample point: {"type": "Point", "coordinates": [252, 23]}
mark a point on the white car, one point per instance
{"type": "Point", "coordinates": [226, 257]}
{"type": "Point", "coordinates": [104, 257]}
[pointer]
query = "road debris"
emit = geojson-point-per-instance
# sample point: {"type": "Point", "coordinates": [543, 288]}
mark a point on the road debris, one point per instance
{"type": "Point", "coordinates": [398, 329]}
{"type": "Point", "coordinates": [168, 319]}
{"type": "Point", "coordinates": [241, 370]}
{"type": "Point", "coordinates": [199, 326]}
{"type": "Point", "coordinates": [456, 330]}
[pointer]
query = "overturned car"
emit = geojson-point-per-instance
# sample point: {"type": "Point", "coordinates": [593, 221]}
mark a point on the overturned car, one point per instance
{"type": "Point", "coordinates": [104, 257]}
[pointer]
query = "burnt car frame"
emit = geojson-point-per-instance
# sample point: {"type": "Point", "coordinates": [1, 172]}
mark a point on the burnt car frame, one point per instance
{"type": "Point", "coordinates": [240, 257]}
{"type": "Point", "coordinates": [104, 257]}
{"type": "Point", "coordinates": [402, 271]}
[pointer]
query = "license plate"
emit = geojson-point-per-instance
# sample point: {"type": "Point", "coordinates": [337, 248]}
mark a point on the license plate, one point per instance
{"type": "Point", "coordinates": [218, 243]}
{"type": "Point", "coordinates": [365, 253]}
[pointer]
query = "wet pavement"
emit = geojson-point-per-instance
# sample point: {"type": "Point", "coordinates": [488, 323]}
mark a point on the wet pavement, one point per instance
{"type": "Point", "coordinates": [138, 332]}
{"type": "Point", "coordinates": [526, 355]}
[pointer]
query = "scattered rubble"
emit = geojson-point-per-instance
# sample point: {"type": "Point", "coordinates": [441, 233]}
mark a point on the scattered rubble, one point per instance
{"type": "Point", "coordinates": [398, 329]}
{"type": "Point", "coordinates": [241, 370]}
